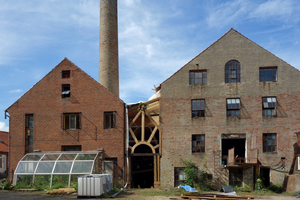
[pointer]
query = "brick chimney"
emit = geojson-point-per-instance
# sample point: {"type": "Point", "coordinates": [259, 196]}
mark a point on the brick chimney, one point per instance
{"type": "Point", "coordinates": [108, 50]}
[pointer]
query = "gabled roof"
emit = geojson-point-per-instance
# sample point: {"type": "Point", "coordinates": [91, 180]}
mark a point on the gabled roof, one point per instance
{"type": "Point", "coordinates": [66, 60]}
{"type": "Point", "coordinates": [3, 141]}
{"type": "Point", "coordinates": [231, 30]}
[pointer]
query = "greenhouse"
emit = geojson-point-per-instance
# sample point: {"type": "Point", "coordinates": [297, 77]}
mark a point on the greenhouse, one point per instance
{"type": "Point", "coordinates": [51, 168]}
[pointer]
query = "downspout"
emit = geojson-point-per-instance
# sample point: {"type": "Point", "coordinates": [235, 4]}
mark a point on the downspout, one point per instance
{"type": "Point", "coordinates": [8, 154]}
{"type": "Point", "coordinates": [127, 156]}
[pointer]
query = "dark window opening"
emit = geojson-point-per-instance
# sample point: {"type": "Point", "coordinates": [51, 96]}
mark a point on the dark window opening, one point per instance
{"type": "Point", "coordinates": [179, 176]}
{"type": "Point", "coordinates": [28, 133]}
{"type": "Point", "coordinates": [198, 108]}
{"type": "Point", "coordinates": [65, 74]}
{"type": "Point", "coordinates": [110, 120]}
{"type": "Point", "coordinates": [65, 91]}
{"type": "Point", "coordinates": [232, 72]}
{"type": "Point", "coordinates": [269, 142]}
{"type": "Point", "coordinates": [233, 108]}
{"type": "Point", "coordinates": [267, 74]}
{"type": "Point", "coordinates": [71, 121]}
{"type": "Point", "coordinates": [71, 148]}
{"type": "Point", "coordinates": [269, 106]}
{"type": "Point", "coordinates": [198, 77]}
{"type": "Point", "coordinates": [198, 143]}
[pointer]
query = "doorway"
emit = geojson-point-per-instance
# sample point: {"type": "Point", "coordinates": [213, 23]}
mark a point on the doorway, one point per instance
{"type": "Point", "coordinates": [239, 148]}
{"type": "Point", "coordinates": [142, 168]}
{"type": "Point", "coordinates": [265, 176]}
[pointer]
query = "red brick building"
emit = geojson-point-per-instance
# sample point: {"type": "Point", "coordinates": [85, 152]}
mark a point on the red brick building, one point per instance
{"type": "Point", "coordinates": [3, 153]}
{"type": "Point", "coordinates": [68, 110]}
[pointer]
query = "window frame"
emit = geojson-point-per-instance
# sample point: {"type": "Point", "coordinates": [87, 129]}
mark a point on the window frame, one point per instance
{"type": "Point", "coordinates": [178, 181]}
{"type": "Point", "coordinates": [266, 146]}
{"type": "Point", "coordinates": [65, 73]}
{"type": "Point", "coordinates": [262, 76]}
{"type": "Point", "coordinates": [201, 111]}
{"type": "Point", "coordinates": [112, 120]}
{"type": "Point", "coordinates": [231, 109]}
{"type": "Point", "coordinates": [192, 77]}
{"type": "Point", "coordinates": [233, 70]}
{"type": "Point", "coordinates": [66, 117]}
{"type": "Point", "coordinates": [269, 109]}
{"type": "Point", "coordinates": [66, 90]}
{"type": "Point", "coordinates": [201, 143]}
{"type": "Point", "coordinates": [29, 130]}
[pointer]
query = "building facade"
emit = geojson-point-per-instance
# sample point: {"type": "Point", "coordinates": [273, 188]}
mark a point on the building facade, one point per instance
{"type": "Point", "coordinates": [67, 110]}
{"type": "Point", "coordinates": [233, 109]}
{"type": "Point", "coordinates": [3, 154]}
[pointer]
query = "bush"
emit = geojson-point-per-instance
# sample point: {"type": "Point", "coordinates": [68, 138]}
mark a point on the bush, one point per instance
{"type": "Point", "coordinates": [275, 188]}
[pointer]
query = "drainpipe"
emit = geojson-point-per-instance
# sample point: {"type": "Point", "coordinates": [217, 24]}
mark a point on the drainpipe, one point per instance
{"type": "Point", "coordinates": [8, 155]}
{"type": "Point", "coordinates": [127, 158]}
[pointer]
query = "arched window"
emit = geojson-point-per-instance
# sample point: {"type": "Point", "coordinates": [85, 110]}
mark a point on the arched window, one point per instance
{"type": "Point", "coordinates": [232, 72]}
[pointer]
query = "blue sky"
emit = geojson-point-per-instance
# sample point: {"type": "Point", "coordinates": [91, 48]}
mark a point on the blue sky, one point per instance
{"type": "Point", "coordinates": [156, 38]}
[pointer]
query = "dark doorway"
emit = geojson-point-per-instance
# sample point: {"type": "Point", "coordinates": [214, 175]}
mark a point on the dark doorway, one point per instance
{"type": "Point", "coordinates": [142, 173]}
{"type": "Point", "coordinates": [236, 177]}
{"type": "Point", "coordinates": [265, 176]}
{"type": "Point", "coordinates": [239, 148]}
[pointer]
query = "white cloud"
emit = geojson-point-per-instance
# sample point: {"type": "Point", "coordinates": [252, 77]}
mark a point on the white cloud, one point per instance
{"type": "Point", "coordinates": [15, 91]}
{"type": "Point", "coordinates": [3, 127]}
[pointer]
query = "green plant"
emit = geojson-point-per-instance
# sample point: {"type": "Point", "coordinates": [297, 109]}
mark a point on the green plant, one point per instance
{"type": "Point", "coordinates": [191, 173]}
{"type": "Point", "coordinates": [57, 186]}
{"type": "Point", "coordinates": [275, 188]}
{"type": "Point", "coordinates": [7, 185]}
{"type": "Point", "coordinates": [259, 185]}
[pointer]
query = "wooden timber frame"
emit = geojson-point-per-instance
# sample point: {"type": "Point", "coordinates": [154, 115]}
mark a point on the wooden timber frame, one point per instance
{"type": "Point", "coordinates": [138, 121]}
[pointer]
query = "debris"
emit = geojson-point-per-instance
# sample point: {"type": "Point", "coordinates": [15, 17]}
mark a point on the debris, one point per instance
{"type": "Point", "coordinates": [212, 196]}
{"type": "Point", "coordinates": [188, 188]}
{"type": "Point", "coordinates": [62, 191]}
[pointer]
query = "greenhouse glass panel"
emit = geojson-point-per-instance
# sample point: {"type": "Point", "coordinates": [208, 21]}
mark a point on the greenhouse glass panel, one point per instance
{"type": "Point", "coordinates": [24, 181]}
{"type": "Point", "coordinates": [50, 157]}
{"type": "Point", "coordinates": [82, 156]}
{"type": "Point", "coordinates": [82, 167]}
{"type": "Point", "coordinates": [74, 180]}
{"type": "Point", "coordinates": [67, 157]}
{"type": "Point", "coordinates": [42, 180]}
{"type": "Point", "coordinates": [30, 157]}
{"type": "Point", "coordinates": [26, 167]}
{"type": "Point", "coordinates": [62, 167]}
{"type": "Point", "coordinates": [61, 180]}
{"type": "Point", "coordinates": [45, 167]}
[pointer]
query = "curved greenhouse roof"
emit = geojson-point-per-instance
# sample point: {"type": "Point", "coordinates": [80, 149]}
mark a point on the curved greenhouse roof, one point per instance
{"type": "Point", "coordinates": [52, 167]}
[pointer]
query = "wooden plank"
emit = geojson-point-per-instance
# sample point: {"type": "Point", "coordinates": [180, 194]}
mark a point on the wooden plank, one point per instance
{"type": "Point", "coordinates": [143, 127]}
{"type": "Point", "coordinates": [133, 135]}
{"type": "Point", "coordinates": [158, 169]}
{"type": "Point", "coordinates": [135, 118]}
{"type": "Point", "coordinates": [253, 156]}
{"type": "Point", "coordinates": [231, 156]}
{"type": "Point", "coordinates": [152, 134]}
{"type": "Point", "coordinates": [155, 169]}
{"type": "Point", "coordinates": [213, 196]}
{"type": "Point", "coordinates": [155, 147]}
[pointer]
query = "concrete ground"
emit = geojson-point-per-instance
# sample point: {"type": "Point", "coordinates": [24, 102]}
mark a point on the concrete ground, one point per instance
{"type": "Point", "coordinates": [8, 195]}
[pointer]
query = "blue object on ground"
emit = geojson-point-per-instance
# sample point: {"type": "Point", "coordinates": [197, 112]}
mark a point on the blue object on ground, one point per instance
{"type": "Point", "coordinates": [187, 188]}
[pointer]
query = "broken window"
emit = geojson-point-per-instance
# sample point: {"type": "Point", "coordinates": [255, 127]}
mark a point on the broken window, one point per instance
{"type": "Point", "coordinates": [232, 72]}
{"type": "Point", "coordinates": [198, 143]}
{"type": "Point", "coordinates": [179, 176]}
{"type": "Point", "coordinates": [269, 142]}
{"type": "Point", "coordinates": [198, 77]}
{"type": "Point", "coordinates": [233, 107]}
{"type": "Point", "coordinates": [198, 108]}
{"type": "Point", "coordinates": [110, 120]}
{"type": "Point", "coordinates": [71, 121]}
{"type": "Point", "coordinates": [267, 74]}
{"type": "Point", "coordinates": [65, 74]}
{"type": "Point", "coordinates": [269, 106]}
{"type": "Point", "coordinates": [65, 91]}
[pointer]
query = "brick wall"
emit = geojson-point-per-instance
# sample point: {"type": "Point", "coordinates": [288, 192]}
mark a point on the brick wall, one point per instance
{"type": "Point", "coordinates": [178, 125]}
{"type": "Point", "coordinates": [44, 101]}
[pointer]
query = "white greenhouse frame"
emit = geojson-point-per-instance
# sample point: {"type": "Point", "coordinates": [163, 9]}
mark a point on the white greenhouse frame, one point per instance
{"type": "Point", "coordinates": [57, 163]}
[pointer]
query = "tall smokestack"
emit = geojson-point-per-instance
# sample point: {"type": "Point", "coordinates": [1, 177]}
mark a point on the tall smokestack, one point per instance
{"type": "Point", "coordinates": [108, 50]}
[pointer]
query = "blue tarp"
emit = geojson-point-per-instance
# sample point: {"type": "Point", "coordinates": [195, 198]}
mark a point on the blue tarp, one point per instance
{"type": "Point", "coordinates": [187, 188]}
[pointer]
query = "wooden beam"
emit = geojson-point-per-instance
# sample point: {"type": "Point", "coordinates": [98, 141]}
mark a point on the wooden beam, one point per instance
{"type": "Point", "coordinates": [158, 168]}
{"type": "Point", "coordinates": [155, 168]}
{"type": "Point", "coordinates": [135, 118]}
{"type": "Point", "coordinates": [133, 135]}
{"type": "Point", "coordinates": [155, 147]}
{"type": "Point", "coordinates": [149, 116]}
{"type": "Point", "coordinates": [152, 134]}
{"type": "Point", "coordinates": [143, 127]}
